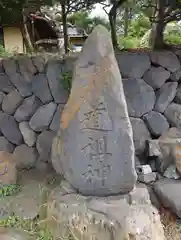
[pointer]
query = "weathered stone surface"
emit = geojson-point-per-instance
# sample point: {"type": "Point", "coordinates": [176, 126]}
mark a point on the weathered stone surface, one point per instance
{"type": "Point", "coordinates": [44, 145]}
{"type": "Point", "coordinates": [8, 173]}
{"type": "Point", "coordinates": [10, 129]}
{"type": "Point", "coordinates": [168, 192]}
{"type": "Point", "coordinates": [5, 145]}
{"type": "Point", "coordinates": [41, 89]}
{"type": "Point", "coordinates": [171, 133]}
{"type": "Point", "coordinates": [171, 172]}
{"type": "Point", "coordinates": [42, 117]}
{"type": "Point", "coordinates": [14, 234]}
{"type": "Point", "coordinates": [102, 217]}
{"type": "Point", "coordinates": [165, 95]}
{"type": "Point", "coordinates": [11, 102]}
{"type": "Point", "coordinates": [156, 77]}
{"type": "Point", "coordinates": [21, 84]}
{"type": "Point", "coordinates": [166, 150]}
{"type": "Point", "coordinates": [140, 135]}
{"type": "Point", "coordinates": [147, 178]}
{"type": "Point", "coordinates": [2, 95]}
{"type": "Point", "coordinates": [26, 67]}
{"type": "Point", "coordinates": [39, 62]}
{"type": "Point", "coordinates": [176, 151]}
{"type": "Point", "coordinates": [175, 76]}
{"type": "Point", "coordinates": [92, 164]}
{"type": "Point", "coordinates": [27, 109]}
{"type": "Point", "coordinates": [178, 95]}
{"type": "Point", "coordinates": [5, 83]}
{"type": "Point", "coordinates": [10, 66]}
{"type": "Point", "coordinates": [55, 124]}
{"type": "Point", "coordinates": [165, 59]}
{"type": "Point", "coordinates": [173, 114]}
{"type": "Point", "coordinates": [25, 157]}
{"type": "Point", "coordinates": [156, 123]}
{"type": "Point", "coordinates": [140, 97]}
{"type": "Point", "coordinates": [54, 71]}
{"type": "Point", "coordinates": [28, 134]}
{"type": "Point", "coordinates": [138, 64]}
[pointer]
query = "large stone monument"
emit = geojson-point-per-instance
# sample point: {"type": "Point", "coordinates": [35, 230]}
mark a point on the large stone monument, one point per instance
{"type": "Point", "coordinates": [96, 146]}
{"type": "Point", "coordinates": [94, 151]}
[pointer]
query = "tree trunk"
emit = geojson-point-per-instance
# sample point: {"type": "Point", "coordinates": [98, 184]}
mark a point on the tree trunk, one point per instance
{"type": "Point", "coordinates": [156, 40]}
{"type": "Point", "coordinates": [112, 20]}
{"type": "Point", "coordinates": [25, 34]}
{"type": "Point", "coordinates": [126, 21]}
{"type": "Point", "coordinates": [64, 21]}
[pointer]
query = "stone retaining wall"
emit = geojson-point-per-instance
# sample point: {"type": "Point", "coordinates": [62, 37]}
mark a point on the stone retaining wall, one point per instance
{"type": "Point", "coordinates": [32, 97]}
{"type": "Point", "coordinates": [152, 86]}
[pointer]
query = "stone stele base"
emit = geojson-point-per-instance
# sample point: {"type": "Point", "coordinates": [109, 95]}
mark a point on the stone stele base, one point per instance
{"type": "Point", "coordinates": [123, 217]}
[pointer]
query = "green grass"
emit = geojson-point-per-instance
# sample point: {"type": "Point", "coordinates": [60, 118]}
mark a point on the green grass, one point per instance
{"type": "Point", "coordinates": [33, 227]}
{"type": "Point", "coordinates": [9, 190]}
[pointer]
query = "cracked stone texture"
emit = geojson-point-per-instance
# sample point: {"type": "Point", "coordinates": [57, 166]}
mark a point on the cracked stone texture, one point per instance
{"type": "Point", "coordinates": [127, 216]}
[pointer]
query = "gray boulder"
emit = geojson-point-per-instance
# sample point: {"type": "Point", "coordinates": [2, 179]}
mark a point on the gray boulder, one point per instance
{"type": "Point", "coordinates": [26, 67]}
{"type": "Point", "coordinates": [166, 60]}
{"type": "Point", "coordinates": [41, 89]}
{"type": "Point", "coordinates": [156, 123]}
{"type": "Point", "coordinates": [5, 84]}
{"type": "Point", "coordinates": [55, 124]}
{"type": "Point", "coordinates": [28, 134]}
{"type": "Point", "coordinates": [173, 114]}
{"type": "Point", "coordinates": [178, 95]}
{"type": "Point", "coordinates": [175, 76]}
{"type": "Point", "coordinates": [10, 129]}
{"type": "Point", "coordinates": [101, 162]}
{"type": "Point", "coordinates": [39, 62]}
{"type": "Point", "coordinates": [140, 135]}
{"type": "Point", "coordinates": [165, 95]}
{"type": "Point", "coordinates": [168, 192]}
{"type": "Point", "coordinates": [21, 84]}
{"type": "Point", "coordinates": [5, 145]}
{"type": "Point", "coordinates": [139, 63]}
{"type": "Point", "coordinates": [27, 109]}
{"type": "Point", "coordinates": [42, 117]}
{"type": "Point", "coordinates": [54, 72]}
{"type": "Point", "coordinates": [156, 77]}
{"type": "Point", "coordinates": [10, 66]}
{"type": "Point", "coordinates": [44, 145]}
{"type": "Point", "coordinates": [140, 97]}
{"type": "Point", "coordinates": [25, 157]}
{"type": "Point", "coordinates": [11, 102]}
{"type": "Point", "coordinates": [2, 95]}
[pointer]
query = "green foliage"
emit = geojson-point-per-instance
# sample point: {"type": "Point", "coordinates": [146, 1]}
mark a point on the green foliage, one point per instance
{"type": "Point", "coordinates": [172, 38]}
{"type": "Point", "coordinates": [67, 80]}
{"type": "Point", "coordinates": [139, 26]}
{"type": "Point", "coordinates": [9, 190]}
{"type": "Point", "coordinates": [128, 42]}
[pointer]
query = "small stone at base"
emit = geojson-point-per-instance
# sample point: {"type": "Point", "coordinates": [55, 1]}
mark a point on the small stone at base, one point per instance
{"type": "Point", "coordinates": [147, 178]}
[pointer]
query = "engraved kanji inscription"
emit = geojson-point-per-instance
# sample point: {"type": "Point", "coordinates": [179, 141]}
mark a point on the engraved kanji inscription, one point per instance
{"type": "Point", "coordinates": [99, 167]}
{"type": "Point", "coordinates": [97, 118]}
{"type": "Point", "coordinates": [99, 174]}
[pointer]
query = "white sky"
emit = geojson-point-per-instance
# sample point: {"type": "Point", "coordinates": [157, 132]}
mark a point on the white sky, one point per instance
{"type": "Point", "coordinates": [99, 11]}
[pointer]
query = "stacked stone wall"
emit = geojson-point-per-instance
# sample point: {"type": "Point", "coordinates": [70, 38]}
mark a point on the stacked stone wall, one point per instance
{"type": "Point", "coordinates": [32, 96]}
